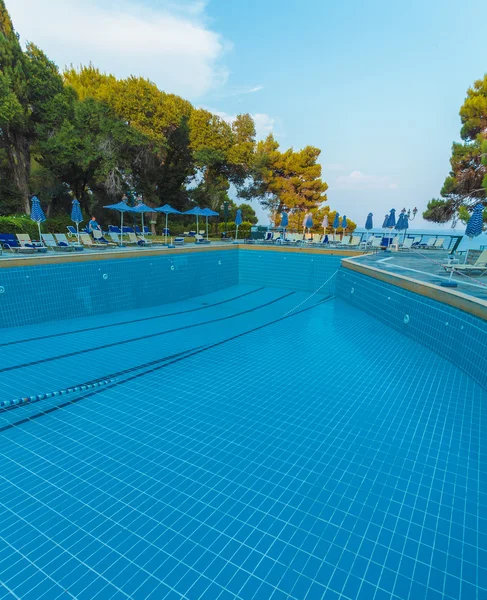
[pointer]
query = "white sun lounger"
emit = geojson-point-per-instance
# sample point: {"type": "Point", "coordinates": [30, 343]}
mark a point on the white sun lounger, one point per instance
{"type": "Point", "coordinates": [480, 265]}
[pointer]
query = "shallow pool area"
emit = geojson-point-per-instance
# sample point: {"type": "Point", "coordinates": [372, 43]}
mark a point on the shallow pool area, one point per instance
{"type": "Point", "coordinates": [238, 424]}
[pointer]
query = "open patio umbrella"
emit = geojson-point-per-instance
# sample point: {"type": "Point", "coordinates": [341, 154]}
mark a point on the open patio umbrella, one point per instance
{"type": "Point", "coordinates": [76, 215]}
{"type": "Point", "coordinates": [142, 208]}
{"type": "Point", "coordinates": [198, 212]}
{"type": "Point", "coordinates": [208, 213]}
{"type": "Point", "coordinates": [336, 224]}
{"type": "Point", "coordinates": [37, 215]}
{"type": "Point", "coordinates": [344, 225]}
{"type": "Point", "coordinates": [238, 221]}
{"type": "Point", "coordinates": [369, 225]}
{"type": "Point", "coordinates": [475, 223]}
{"type": "Point", "coordinates": [284, 223]}
{"type": "Point", "coordinates": [167, 209]}
{"type": "Point", "coordinates": [122, 208]}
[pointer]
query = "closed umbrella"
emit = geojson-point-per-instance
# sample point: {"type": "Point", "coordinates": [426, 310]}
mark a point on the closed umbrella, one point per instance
{"type": "Point", "coordinates": [369, 225]}
{"type": "Point", "coordinates": [198, 212]}
{"type": "Point", "coordinates": [336, 224]}
{"type": "Point", "coordinates": [76, 215]}
{"type": "Point", "coordinates": [284, 223]}
{"type": "Point", "coordinates": [391, 222]}
{"type": "Point", "coordinates": [167, 209]}
{"type": "Point", "coordinates": [142, 208]}
{"type": "Point", "coordinates": [324, 224]}
{"type": "Point", "coordinates": [122, 208]}
{"type": "Point", "coordinates": [402, 223]}
{"type": "Point", "coordinates": [208, 213]}
{"type": "Point", "coordinates": [308, 222]}
{"type": "Point", "coordinates": [475, 223]}
{"type": "Point", "coordinates": [344, 225]}
{"type": "Point", "coordinates": [238, 221]}
{"type": "Point", "coordinates": [37, 215]}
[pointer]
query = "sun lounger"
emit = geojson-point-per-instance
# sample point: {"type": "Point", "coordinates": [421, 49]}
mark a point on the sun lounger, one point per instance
{"type": "Point", "coordinates": [71, 230]}
{"type": "Point", "coordinates": [147, 231]}
{"type": "Point", "coordinates": [178, 241]}
{"type": "Point", "coordinates": [116, 240]}
{"type": "Point", "coordinates": [8, 241]}
{"type": "Point", "coordinates": [200, 239]}
{"type": "Point", "coordinates": [140, 241]}
{"type": "Point", "coordinates": [87, 241]}
{"type": "Point", "coordinates": [62, 240]}
{"type": "Point", "coordinates": [480, 265]}
{"type": "Point", "coordinates": [26, 242]}
{"type": "Point", "coordinates": [52, 244]}
{"type": "Point", "coordinates": [438, 245]}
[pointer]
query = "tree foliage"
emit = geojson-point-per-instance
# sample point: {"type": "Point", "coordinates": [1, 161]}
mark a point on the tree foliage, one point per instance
{"type": "Point", "coordinates": [466, 185]}
{"type": "Point", "coordinates": [89, 135]}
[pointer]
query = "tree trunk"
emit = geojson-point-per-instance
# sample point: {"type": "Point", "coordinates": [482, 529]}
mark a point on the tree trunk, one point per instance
{"type": "Point", "coordinates": [18, 152]}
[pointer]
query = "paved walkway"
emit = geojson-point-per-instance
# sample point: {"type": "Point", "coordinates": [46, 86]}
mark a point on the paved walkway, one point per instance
{"type": "Point", "coordinates": [425, 266]}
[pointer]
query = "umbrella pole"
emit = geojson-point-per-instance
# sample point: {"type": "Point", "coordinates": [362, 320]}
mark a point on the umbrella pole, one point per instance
{"type": "Point", "coordinates": [40, 236]}
{"type": "Point", "coordinates": [142, 215]}
{"type": "Point", "coordinates": [77, 231]}
{"type": "Point", "coordinates": [121, 228]}
{"type": "Point", "coordinates": [165, 232]}
{"type": "Point", "coordinates": [236, 235]}
{"type": "Point", "coordinates": [207, 228]}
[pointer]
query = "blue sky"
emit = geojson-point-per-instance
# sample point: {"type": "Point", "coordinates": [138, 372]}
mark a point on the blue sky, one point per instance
{"type": "Point", "coordinates": [376, 85]}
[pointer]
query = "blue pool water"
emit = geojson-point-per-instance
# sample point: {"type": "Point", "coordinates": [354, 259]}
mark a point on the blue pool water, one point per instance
{"type": "Point", "coordinates": [254, 441]}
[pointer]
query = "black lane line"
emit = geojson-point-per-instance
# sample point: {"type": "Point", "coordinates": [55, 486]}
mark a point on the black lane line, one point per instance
{"type": "Point", "coordinates": [159, 367]}
{"type": "Point", "coordinates": [5, 409]}
{"type": "Point", "coordinates": [142, 337]}
{"type": "Point", "coordinates": [181, 312]}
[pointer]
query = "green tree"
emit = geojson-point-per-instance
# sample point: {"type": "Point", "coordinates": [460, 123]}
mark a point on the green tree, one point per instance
{"type": "Point", "coordinates": [32, 103]}
{"type": "Point", "coordinates": [92, 152]}
{"type": "Point", "coordinates": [288, 180]}
{"type": "Point", "coordinates": [248, 213]}
{"type": "Point", "coordinates": [466, 184]}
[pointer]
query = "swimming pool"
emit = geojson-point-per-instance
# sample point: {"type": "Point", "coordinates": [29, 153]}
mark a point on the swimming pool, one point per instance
{"type": "Point", "coordinates": [241, 429]}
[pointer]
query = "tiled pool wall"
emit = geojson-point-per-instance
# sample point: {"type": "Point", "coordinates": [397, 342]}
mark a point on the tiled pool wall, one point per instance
{"type": "Point", "coordinates": [34, 294]}
{"type": "Point", "coordinates": [458, 336]}
{"type": "Point", "coordinates": [299, 271]}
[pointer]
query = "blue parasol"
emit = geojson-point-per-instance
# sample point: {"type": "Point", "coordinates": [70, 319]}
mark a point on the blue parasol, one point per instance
{"type": "Point", "coordinates": [369, 225]}
{"type": "Point", "coordinates": [122, 208]}
{"type": "Point", "coordinates": [344, 225]}
{"type": "Point", "coordinates": [475, 223]}
{"type": "Point", "coordinates": [207, 212]}
{"type": "Point", "coordinates": [198, 212]}
{"type": "Point", "coordinates": [36, 214]}
{"type": "Point", "coordinates": [167, 209]}
{"type": "Point", "coordinates": [238, 221]}
{"type": "Point", "coordinates": [336, 224]}
{"type": "Point", "coordinates": [142, 208]}
{"type": "Point", "coordinates": [76, 215]}
{"type": "Point", "coordinates": [391, 221]}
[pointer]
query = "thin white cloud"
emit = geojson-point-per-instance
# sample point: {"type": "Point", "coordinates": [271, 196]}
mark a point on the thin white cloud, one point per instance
{"type": "Point", "coordinates": [357, 180]}
{"type": "Point", "coordinates": [172, 44]}
{"type": "Point", "coordinates": [264, 123]}
{"type": "Point", "coordinates": [256, 88]}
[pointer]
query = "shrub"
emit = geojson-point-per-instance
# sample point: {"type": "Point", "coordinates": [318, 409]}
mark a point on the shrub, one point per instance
{"type": "Point", "coordinates": [231, 229]}
{"type": "Point", "coordinates": [19, 224]}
